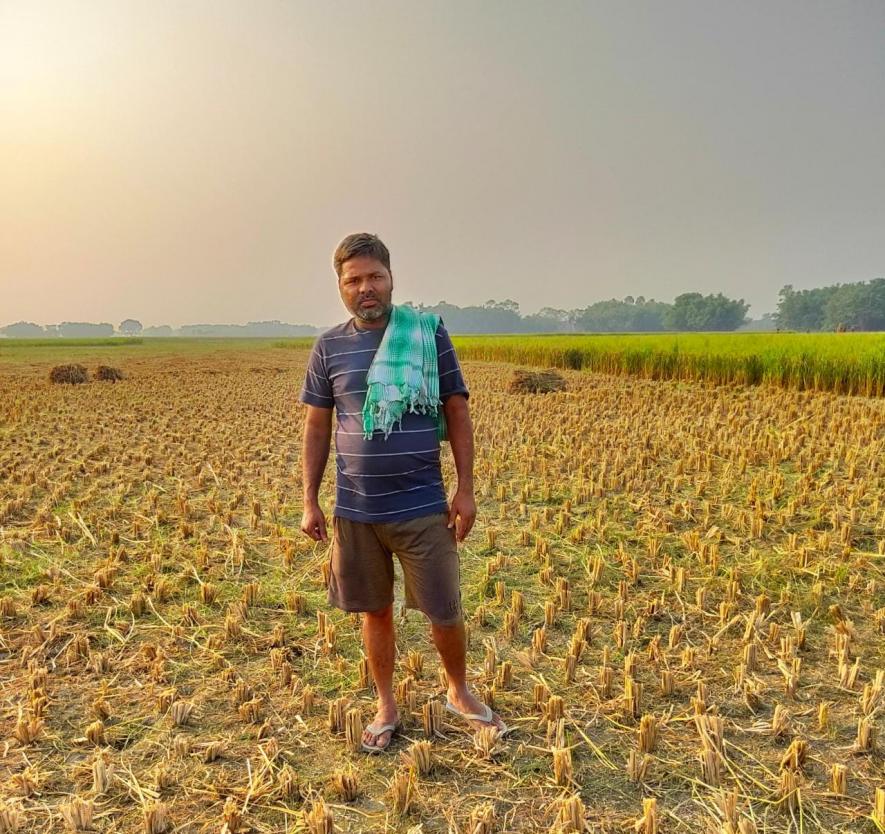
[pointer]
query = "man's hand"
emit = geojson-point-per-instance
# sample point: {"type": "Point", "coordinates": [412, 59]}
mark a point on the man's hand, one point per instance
{"type": "Point", "coordinates": [317, 438]}
{"type": "Point", "coordinates": [462, 514]}
{"type": "Point", "coordinates": [313, 522]}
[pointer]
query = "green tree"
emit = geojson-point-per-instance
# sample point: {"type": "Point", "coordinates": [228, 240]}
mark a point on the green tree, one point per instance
{"type": "Point", "coordinates": [693, 311]}
{"type": "Point", "coordinates": [627, 316]}
{"type": "Point", "coordinates": [859, 306]}
{"type": "Point", "coordinates": [802, 310]}
{"type": "Point", "coordinates": [856, 306]}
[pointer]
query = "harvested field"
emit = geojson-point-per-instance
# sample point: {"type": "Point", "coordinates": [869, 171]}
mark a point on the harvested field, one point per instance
{"type": "Point", "coordinates": [675, 597]}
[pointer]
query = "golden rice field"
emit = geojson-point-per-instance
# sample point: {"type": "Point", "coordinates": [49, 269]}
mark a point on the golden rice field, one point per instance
{"type": "Point", "coordinates": [675, 596]}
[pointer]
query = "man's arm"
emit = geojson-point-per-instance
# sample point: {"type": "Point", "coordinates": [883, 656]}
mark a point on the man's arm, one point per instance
{"type": "Point", "coordinates": [317, 441]}
{"type": "Point", "coordinates": [462, 512]}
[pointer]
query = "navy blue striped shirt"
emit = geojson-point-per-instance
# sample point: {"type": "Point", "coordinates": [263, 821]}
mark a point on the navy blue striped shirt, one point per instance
{"type": "Point", "coordinates": [378, 480]}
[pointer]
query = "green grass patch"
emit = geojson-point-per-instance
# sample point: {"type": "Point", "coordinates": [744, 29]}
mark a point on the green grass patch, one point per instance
{"type": "Point", "coordinates": [110, 341]}
{"type": "Point", "coordinates": [59, 351]}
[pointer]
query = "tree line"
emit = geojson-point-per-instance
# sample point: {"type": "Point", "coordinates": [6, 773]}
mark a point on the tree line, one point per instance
{"type": "Point", "coordinates": [689, 311]}
{"type": "Point", "coordinates": [855, 306]}
{"type": "Point", "coordinates": [133, 327]}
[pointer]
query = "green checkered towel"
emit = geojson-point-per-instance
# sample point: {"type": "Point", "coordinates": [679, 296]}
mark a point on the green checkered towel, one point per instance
{"type": "Point", "coordinates": [404, 375]}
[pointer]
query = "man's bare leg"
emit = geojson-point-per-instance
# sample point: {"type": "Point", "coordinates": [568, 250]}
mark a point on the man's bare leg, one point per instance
{"type": "Point", "coordinates": [378, 639]}
{"type": "Point", "coordinates": [451, 643]}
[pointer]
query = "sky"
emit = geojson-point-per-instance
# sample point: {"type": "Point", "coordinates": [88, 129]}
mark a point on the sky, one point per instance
{"type": "Point", "coordinates": [198, 161]}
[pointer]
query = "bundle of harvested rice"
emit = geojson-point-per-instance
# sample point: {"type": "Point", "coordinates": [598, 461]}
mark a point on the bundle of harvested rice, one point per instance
{"type": "Point", "coordinates": [107, 373]}
{"type": "Point", "coordinates": [536, 382]}
{"type": "Point", "coordinates": [72, 374]}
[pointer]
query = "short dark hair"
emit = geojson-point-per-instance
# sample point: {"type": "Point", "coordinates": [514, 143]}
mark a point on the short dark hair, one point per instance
{"type": "Point", "coordinates": [360, 243]}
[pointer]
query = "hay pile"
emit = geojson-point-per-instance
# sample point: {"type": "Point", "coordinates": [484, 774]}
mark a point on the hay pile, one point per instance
{"type": "Point", "coordinates": [536, 382]}
{"type": "Point", "coordinates": [72, 374]}
{"type": "Point", "coordinates": [106, 372]}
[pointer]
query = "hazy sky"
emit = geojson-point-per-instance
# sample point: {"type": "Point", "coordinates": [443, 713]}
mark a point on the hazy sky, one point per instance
{"type": "Point", "coordinates": [198, 161]}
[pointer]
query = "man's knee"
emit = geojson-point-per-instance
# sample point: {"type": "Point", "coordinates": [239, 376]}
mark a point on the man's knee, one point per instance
{"type": "Point", "coordinates": [443, 613]}
{"type": "Point", "coordinates": [447, 622]}
{"type": "Point", "coordinates": [380, 615]}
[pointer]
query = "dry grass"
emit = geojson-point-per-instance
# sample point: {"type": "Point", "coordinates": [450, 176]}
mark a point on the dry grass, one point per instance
{"type": "Point", "coordinates": [108, 374]}
{"type": "Point", "coordinates": [536, 382]}
{"type": "Point", "coordinates": [674, 593]}
{"type": "Point", "coordinates": [68, 374]}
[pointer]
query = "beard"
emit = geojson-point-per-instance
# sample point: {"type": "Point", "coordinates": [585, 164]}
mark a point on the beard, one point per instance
{"type": "Point", "coordinates": [372, 313]}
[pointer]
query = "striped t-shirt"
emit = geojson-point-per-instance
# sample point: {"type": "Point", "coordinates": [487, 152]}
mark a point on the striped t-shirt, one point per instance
{"type": "Point", "coordinates": [378, 480]}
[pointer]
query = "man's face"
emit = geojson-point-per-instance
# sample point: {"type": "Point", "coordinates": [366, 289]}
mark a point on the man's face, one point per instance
{"type": "Point", "coordinates": [366, 287]}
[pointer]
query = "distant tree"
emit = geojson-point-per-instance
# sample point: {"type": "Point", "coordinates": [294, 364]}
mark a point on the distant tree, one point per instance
{"type": "Point", "coordinates": [548, 320]}
{"type": "Point", "coordinates": [554, 313]}
{"type": "Point", "coordinates": [802, 310]}
{"type": "Point", "coordinates": [692, 311]}
{"type": "Point", "coordinates": [84, 329]}
{"type": "Point", "coordinates": [158, 330]}
{"type": "Point", "coordinates": [508, 305]}
{"type": "Point", "coordinates": [23, 330]}
{"type": "Point", "coordinates": [130, 327]}
{"type": "Point", "coordinates": [491, 317]}
{"type": "Point", "coordinates": [873, 316]}
{"type": "Point", "coordinates": [614, 316]}
{"type": "Point", "coordinates": [251, 330]}
{"type": "Point", "coordinates": [859, 306]}
{"type": "Point", "coordinates": [277, 328]}
{"type": "Point", "coordinates": [630, 315]}
{"type": "Point", "coordinates": [856, 306]}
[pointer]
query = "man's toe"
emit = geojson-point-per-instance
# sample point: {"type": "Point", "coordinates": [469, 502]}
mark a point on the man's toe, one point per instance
{"type": "Point", "coordinates": [496, 722]}
{"type": "Point", "coordinates": [372, 740]}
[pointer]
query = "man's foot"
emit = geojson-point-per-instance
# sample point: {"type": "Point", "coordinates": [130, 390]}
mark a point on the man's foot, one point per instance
{"type": "Point", "coordinates": [468, 704]}
{"type": "Point", "coordinates": [376, 739]}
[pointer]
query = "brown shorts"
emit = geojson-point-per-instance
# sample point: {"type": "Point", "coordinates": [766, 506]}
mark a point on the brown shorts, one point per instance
{"type": "Point", "coordinates": [361, 566]}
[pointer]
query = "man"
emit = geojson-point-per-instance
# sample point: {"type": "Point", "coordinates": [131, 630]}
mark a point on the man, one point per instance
{"type": "Point", "coordinates": [390, 496]}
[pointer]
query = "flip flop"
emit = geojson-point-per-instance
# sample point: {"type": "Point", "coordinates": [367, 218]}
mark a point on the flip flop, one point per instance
{"type": "Point", "coordinates": [377, 731]}
{"type": "Point", "coordinates": [487, 716]}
